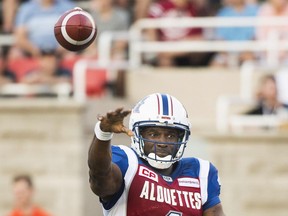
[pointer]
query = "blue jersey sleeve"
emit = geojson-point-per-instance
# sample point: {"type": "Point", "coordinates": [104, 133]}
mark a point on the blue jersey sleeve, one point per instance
{"type": "Point", "coordinates": [120, 158]}
{"type": "Point", "coordinates": [213, 188]}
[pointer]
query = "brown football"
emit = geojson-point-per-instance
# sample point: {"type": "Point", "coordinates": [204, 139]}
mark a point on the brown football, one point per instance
{"type": "Point", "coordinates": [75, 30]}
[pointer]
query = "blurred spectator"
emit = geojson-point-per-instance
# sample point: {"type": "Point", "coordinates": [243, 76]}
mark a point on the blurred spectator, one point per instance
{"type": "Point", "coordinates": [141, 8]}
{"type": "Point", "coordinates": [177, 9]}
{"type": "Point", "coordinates": [268, 101]}
{"type": "Point", "coordinates": [207, 7]}
{"type": "Point", "coordinates": [34, 28]}
{"type": "Point", "coordinates": [235, 8]}
{"type": "Point", "coordinates": [6, 75]}
{"type": "Point", "coordinates": [49, 71]}
{"type": "Point", "coordinates": [204, 7]}
{"type": "Point", "coordinates": [109, 18]}
{"type": "Point", "coordinates": [9, 10]}
{"type": "Point", "coordinates": [23, 192]}
{"type": "Point", "coordinates": [273, 8]}
{"type": "Point", "coordinates": [49, 79]}
{"type": "Point", "coordinates": [128, 6]}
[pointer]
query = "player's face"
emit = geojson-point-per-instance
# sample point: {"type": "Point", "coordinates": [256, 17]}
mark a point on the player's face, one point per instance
{"type": "Point", "coordinates": [269, 89]}
{"type": "Point", "coordinates": [22, 193]}
{"type": "Point", "coordinates": [48, 64]}
{"type": "Point", "coordinates": [160, 140]}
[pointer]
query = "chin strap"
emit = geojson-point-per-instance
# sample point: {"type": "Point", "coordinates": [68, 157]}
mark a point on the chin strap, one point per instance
{"type": "Point", "coordinates": [159, 162]}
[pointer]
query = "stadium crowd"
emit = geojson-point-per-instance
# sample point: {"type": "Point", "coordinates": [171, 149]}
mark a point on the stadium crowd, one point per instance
{"type": "Point", "coordinates": [30, 22]}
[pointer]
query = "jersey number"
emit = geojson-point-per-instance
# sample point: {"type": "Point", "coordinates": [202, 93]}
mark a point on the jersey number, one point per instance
{"type": "Point", "coordinates": [174, 213]}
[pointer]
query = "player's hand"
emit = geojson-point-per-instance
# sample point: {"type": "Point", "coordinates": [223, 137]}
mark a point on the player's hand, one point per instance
{"type": "Point", "coordinates": [113, 121]}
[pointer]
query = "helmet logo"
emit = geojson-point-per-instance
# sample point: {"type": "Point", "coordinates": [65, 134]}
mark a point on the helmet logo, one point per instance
{"type": "Point", "coordinates": [138, 105]}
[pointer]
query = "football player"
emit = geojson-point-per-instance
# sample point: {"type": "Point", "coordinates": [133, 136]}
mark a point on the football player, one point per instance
{"type": "Point", "coordinates": [151, 177]}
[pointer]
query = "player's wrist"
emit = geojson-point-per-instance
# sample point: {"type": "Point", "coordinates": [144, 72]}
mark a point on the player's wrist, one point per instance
{"type": "Point", "coordinates": [101, 135]}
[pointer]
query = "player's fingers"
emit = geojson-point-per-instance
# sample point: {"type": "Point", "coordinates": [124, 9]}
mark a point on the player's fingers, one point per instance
{"type": "Point", "coordinates": [119, 110]}
{"type": "Point", "coordinates": [130, 133]}
{"type": "Point", "coordinates": [100, 117]}
{"type": "Point", "coordinates": [126, 112]}
{"type": "Point", "coordinates": [127, 131]}
{"type": "Point", "coordinates": [116, 112]}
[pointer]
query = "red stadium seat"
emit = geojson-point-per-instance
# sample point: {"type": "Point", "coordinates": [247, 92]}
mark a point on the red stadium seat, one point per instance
{"type": "Point", "coordinates": [69, 62]}
{"type": "Point", "coordinates": [96, 80]}
{"type": "Point", "coordinates": [22, 66]}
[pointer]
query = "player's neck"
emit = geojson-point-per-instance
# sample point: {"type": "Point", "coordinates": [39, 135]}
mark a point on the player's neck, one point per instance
{"type": "Point", "coordinates": [166, 172]}
{"type": "Point", "coordinates": [25, 207]}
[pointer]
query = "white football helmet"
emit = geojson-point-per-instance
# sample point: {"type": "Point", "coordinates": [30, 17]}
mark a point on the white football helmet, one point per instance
{"type": "Point", "coordinates": [161, 110]}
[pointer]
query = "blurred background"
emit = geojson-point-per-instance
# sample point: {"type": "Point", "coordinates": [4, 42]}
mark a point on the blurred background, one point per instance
{"type": "Point", "coordinates": [225, 60]}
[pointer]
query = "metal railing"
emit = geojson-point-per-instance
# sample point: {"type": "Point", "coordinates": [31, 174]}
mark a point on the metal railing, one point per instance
{"type": "Point", "coordinates": [61, 90]}
{"type": "Point", "coordinates": [6, 40]}
{"type": "Point", "coordinates": [139, 45]}
{"type": "Point", "coordinates": [272, 46]}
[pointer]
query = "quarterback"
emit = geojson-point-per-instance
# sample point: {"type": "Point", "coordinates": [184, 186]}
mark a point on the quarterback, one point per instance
{"type": "Point", "coordinates": [151, 178]}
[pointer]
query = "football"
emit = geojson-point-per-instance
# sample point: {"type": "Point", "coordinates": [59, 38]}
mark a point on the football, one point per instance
{"type": "Point", "coordinates": [75, 30]}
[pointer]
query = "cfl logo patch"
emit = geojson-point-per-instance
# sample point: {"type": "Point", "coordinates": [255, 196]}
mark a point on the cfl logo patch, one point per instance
{"type": "Point", "coordinates": [143, 171]}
